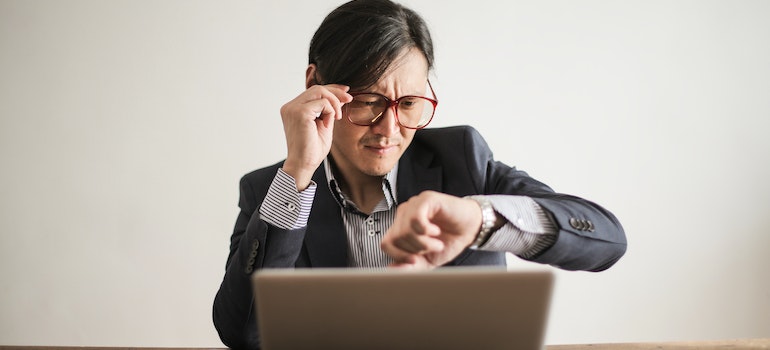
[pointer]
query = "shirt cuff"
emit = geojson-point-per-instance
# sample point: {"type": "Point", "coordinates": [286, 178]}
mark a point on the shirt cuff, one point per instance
{"type": "Point", "coordinates": [283, 206]}
{"type": "Point", "coordinates": [528, 230]}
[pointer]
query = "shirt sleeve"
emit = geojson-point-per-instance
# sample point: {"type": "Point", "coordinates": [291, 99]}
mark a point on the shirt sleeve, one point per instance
{"type": "Point", "coordinates": [529, 229]}
{"type": "Point", "coordinates": [283, 206]}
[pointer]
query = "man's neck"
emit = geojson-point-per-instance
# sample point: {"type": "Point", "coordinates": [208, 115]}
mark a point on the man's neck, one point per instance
{"type": "Point", "coordinates": [365, 191]}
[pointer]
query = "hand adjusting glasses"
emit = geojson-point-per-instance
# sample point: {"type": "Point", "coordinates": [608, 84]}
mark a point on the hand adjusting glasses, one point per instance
{"type": "Point", "coordinates": [412, 112]}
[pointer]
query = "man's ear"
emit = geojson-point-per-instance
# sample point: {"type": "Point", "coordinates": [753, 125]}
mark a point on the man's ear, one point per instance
{"type": "Point", "coordinates": [310, 76]}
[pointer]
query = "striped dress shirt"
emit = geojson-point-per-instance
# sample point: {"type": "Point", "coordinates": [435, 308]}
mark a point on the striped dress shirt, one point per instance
{"type": "Point", "coordinates": [527, 232]}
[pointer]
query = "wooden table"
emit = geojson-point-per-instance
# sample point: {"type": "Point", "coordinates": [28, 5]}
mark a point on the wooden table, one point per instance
{"type": "Point", "coordinates": [705, 345]}
{"type": "Point", "coordinates": [743, 344]}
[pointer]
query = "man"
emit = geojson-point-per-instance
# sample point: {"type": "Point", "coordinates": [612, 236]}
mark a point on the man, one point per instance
{"type": "Point", "coordinates": [364, 185]}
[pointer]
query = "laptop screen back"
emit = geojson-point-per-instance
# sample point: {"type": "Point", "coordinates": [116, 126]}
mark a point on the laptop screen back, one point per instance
{"type": "Point", "coordinates": [449, 308]}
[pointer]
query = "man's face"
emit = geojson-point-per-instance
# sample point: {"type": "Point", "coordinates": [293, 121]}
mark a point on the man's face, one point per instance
{"type": "Point", "coordinates": [361, 151]}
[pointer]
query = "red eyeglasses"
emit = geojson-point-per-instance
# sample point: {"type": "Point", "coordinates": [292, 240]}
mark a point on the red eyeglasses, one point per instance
{"type": "Point", "coordinates": [412, 112]}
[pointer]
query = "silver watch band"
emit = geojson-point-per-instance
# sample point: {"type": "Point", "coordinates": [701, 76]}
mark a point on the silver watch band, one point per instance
{"type": "Point", "coordinates": [488, 219]}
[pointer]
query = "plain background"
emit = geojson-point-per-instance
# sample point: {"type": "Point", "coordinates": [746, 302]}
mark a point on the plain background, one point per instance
{"type": "Point", "coordinates": [126, 125]}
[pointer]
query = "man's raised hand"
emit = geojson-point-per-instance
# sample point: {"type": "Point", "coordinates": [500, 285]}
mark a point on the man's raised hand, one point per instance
{"type": "Point", "coordinates": [308, 122]}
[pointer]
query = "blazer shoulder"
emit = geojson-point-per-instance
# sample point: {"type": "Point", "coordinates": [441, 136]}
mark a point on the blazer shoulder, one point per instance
{"type": "Point", "coordinates": [458, 153]}
{"type": "Point", "coordinates": [255, 184]}
{"type": "Point", "coordinates": [450, 142]}
{"type": "Point", "coordinates": [449, 135]}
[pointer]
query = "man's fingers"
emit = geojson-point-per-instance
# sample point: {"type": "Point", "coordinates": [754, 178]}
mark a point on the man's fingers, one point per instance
{"type": "Point", "coordinates": [418, 244]}
{"type": "Point", "coordinates": [341, 92]}
{"type": "Point", "coordinates": [344, 88]}
{"type": "Point", "coordinates": [337, 95]}
{"type": "Point", "coordinates": [328, 113]}
{"type": "Point", "coordinates": [342, 97]}
{"type": "Point", "coordinates": [421, 226]}
{"type": "Point", "coordinates": [398, 254]}
{"type": "Point", "coordinates": [319, 108]}
{"type": "Point", "coordinates": [414, 264]}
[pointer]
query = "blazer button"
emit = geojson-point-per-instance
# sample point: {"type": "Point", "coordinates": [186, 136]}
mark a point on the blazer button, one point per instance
{"type": "Point", "coordinates": [252, 257]}
{"type": "Point", "coordinates": [581, 224]}
{"type": "Point", "coordinates": [250, 265]}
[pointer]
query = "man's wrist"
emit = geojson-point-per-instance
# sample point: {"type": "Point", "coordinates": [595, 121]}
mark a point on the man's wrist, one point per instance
{"type": "Point", "coordinates": [302, 179]}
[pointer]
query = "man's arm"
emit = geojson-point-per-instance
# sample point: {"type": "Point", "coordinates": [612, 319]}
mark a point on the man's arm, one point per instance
{"type": "Point", "coordinates": [274, 237]}
{"type": "Point", "coordinates": [587, 236]}
{"type": "Point", "coordinates": [261, 239]}
{"type": "Point", "coordinates": [433, 228]}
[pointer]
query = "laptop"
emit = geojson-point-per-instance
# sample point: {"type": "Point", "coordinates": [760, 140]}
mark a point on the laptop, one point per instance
{"type": "Point", "coordinates": [448, 308]}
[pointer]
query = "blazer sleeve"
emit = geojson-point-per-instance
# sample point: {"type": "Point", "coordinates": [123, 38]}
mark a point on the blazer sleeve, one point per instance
{"type": "Point", "coordinates": [254, 244]}
{"type": "Point", "coordinates": [589, 237]}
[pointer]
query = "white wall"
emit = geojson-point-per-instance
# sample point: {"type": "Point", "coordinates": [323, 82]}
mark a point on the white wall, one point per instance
{"type": "Point", "coordinates": [125, 126]}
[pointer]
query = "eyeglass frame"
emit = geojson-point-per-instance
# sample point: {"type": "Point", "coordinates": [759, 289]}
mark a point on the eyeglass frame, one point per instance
{"type": "Point", "coordinates": [394, 104]}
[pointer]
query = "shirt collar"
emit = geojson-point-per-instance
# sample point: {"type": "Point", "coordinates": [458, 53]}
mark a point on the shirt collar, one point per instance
{"type": "Point", "coordinates": [388, 185]}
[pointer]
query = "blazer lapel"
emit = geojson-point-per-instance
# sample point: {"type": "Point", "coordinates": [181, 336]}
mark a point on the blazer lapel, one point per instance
{"type": "Point", "coordinates": [416, 173]}
{"type": "Point", "coordinates": [325, 238]}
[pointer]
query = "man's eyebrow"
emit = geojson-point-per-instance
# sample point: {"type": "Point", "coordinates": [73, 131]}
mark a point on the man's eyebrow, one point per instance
{"type": "Point", "coordinates": [381, 94]}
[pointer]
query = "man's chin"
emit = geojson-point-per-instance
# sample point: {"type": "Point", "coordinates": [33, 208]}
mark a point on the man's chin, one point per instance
{"type": "Point", "coordinates": [377, 173]}
{"type": "Point", "coordinates": [378, 170]}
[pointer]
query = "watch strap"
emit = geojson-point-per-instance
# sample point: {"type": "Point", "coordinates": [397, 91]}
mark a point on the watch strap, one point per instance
{"type": "Point", "coordinates": [488, 219]}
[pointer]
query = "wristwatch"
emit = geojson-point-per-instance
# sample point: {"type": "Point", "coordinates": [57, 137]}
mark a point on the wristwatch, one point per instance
{"type": "Point", "coordinates": [488, 219]}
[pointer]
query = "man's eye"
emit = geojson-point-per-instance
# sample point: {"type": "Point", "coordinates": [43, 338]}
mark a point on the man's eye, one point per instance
{"type": "Point", "coordinates": [368, 101]}
{"type": "Point", "coordinates": [408, 103]}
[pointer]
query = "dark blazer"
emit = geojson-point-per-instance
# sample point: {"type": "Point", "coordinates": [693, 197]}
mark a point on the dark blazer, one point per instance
{"type": "Point", "coordinates": [453, 160]}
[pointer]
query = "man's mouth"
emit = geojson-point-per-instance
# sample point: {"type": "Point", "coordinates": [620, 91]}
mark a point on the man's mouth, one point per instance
{"type": "Point", "coordinates": [381, 148]}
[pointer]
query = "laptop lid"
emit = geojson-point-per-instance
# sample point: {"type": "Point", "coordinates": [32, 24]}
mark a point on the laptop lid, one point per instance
{"type": "Point", "coordinates": [448, 308]}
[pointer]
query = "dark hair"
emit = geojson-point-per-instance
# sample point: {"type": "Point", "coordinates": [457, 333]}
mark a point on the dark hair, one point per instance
{"type": "Point", "coordinates": [357, 42]}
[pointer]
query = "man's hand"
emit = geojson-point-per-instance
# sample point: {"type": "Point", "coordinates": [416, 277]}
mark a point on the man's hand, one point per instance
{"type": "Point", "coordinates": [308, 122]}
{"type": "Point", "coordinates": [431, 229]}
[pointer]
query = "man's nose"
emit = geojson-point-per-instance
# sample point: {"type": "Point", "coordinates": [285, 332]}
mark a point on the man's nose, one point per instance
{"type": "Point", "coordinates": [387, 124]}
